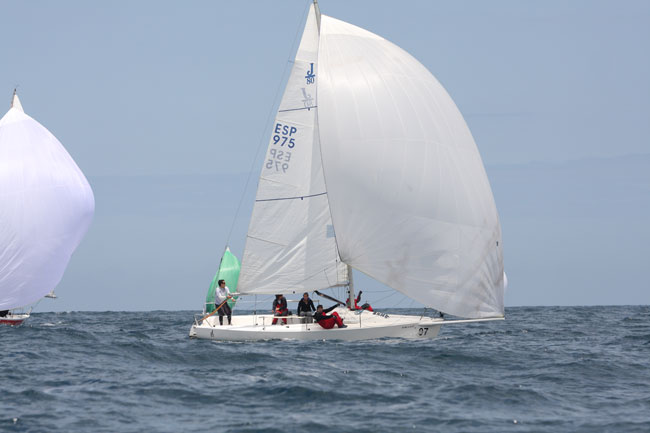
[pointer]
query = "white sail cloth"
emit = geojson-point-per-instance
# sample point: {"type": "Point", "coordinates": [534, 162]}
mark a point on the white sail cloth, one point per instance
{"type": "Point", "coordinates": [46, 206]}
{"type": "Point", "coordinates": [410, 200]}
{"type": "Point", "coordinates": [290, 246]}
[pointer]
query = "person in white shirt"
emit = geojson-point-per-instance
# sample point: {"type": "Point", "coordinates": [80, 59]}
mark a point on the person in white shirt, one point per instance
{"type": "Point", "coordinates": [223, 294]}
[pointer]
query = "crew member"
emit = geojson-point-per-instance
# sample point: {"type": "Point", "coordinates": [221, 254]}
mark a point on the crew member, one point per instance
{"type": "Point", "coordinates": [365, 306]}
{"type": "Point", "coordinates": [326, 321]}
{"type": "Point", "coordinates": [306, 305]}
{"type": "Point", "coordinates": [223, 294]}
{"type": "Point", "coordinates": [280, 308]}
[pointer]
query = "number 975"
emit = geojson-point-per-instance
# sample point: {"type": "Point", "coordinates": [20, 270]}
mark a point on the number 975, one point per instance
{"type": "Point", "coordinates": [279, 165]}
{"type": "Point", "coordinates": [284, 140]}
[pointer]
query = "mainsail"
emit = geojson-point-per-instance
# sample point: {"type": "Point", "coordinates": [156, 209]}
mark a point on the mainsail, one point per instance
{"type": "Point", "coordinates": [290, 244]}
{"type": "Point", "coordinates": [46, 206]}
{"type": "Point", "coordinates": [410, 199]}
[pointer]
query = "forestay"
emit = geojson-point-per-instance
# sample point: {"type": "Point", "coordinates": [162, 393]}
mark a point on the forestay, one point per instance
{"type": "Point", "coordinates": [290, 244]}
{"type": "Point", "coordinates": [46, 206]}
{"type": "Point", "coordinates": [409, 196]}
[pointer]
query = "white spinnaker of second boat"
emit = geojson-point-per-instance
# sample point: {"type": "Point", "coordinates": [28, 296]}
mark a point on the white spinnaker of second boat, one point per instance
{"type": "Point", "coordinates": [46, 206]}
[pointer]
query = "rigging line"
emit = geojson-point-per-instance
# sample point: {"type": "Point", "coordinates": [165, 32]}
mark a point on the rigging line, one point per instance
{"type": "Point", "coordinates": [399, 302]}
{"type": "Point", "coordinates": [327, 278]}
{"type": "Point", "coordinates": [266, 125]}
{"type": "Point", "coordinates": [377, 301]}
{"type": "Point", "coordinates": [292, 198]}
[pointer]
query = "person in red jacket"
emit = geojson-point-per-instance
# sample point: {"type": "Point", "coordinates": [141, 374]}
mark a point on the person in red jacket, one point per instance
{"type": "Point", "coordinates": [326, 321]}
{"type": "Point", "coordinates": [280, 308]}
{"type": "Point", "coordinates": [365, 306]}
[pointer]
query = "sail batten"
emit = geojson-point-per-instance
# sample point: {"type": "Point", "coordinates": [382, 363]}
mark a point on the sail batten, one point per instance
{"type": "Point", "coordinates": [300, 197]}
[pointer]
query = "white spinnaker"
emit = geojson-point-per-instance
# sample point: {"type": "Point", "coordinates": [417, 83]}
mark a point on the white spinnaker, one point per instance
{"type": "Point", "coordinates": [46, 206]}
{"type": "Point", "coordinates": [410, 200]}
{"type": "Point", "coordinates": [290, 245]}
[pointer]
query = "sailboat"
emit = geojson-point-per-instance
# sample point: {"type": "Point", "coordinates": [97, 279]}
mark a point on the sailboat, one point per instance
{"type": "Point", "coordinates": [46, 206]}
{"type": "Point", "coordinates": [370, 166]}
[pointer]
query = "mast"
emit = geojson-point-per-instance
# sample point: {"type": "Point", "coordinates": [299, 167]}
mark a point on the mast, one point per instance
{"type": "Point", "coordinates": [351, 295]}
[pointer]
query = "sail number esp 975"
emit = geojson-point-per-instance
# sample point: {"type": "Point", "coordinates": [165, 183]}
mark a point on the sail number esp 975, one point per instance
{"type": "Point", "coordinates": [282, 137]}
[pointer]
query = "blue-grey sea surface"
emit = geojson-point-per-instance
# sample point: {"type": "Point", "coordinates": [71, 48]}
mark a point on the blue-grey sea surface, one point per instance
{"type": "Point", "coordinates": [544, 369]}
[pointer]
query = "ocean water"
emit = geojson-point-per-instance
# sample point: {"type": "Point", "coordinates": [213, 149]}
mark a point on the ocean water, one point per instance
{"type": "Point", "coordinates": [545, 369]}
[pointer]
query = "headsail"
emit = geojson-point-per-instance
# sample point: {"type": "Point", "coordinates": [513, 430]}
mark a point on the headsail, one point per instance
{"type": "Point", "coordinates": [409, 196]}
{"type": "Point", "coordinates": [46, 206]}
{"type": "Point", "coordinates": [229, 271]}
{"type": "Point", "coordinates": [290, 244]}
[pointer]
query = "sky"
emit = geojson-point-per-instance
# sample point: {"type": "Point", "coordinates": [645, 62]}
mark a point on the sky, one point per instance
{"type": "Point", "coordinates": [164, 105]}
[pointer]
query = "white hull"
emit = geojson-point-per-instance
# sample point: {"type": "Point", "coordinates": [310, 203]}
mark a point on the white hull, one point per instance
{"type": "Point", "coordinates": [361, 325]}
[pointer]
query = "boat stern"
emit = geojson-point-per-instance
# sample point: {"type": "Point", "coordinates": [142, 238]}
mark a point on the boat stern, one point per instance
{"type": "Point", "coordinates": [13, 319]}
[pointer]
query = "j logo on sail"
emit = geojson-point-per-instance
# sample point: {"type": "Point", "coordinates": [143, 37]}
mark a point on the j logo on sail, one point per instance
{"type": "Point", "coordinates": [310, 74]}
